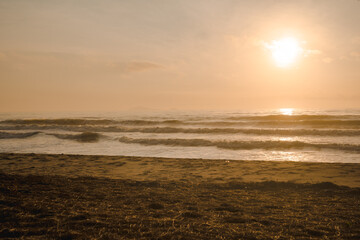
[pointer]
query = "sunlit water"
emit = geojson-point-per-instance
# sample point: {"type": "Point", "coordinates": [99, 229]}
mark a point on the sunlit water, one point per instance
{"type": "Point", "coordinates": [280, 135]}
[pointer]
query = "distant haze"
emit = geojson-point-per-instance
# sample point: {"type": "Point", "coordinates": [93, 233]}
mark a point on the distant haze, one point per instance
{"type": "Point", "coordinates": [166, 54]}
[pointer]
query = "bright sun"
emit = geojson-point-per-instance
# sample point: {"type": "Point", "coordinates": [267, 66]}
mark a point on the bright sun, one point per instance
{"type": "Point", "coordinates": [285, 51]}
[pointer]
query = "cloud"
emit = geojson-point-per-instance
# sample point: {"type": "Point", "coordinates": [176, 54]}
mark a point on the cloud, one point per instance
{"type": "Point", "coordinates": [356, 40]}
{"type": "Point", "coordinates": [274, 44]}
{"type": "Point", "coordinates": [355, 54]}
{"type": "Point", "coordinates": [309, 52]}
{"type": "Point", "coordinates": [138, 66]}
{"type": "Point", "coordinates": [327, 60]}
{"type": "Point", "coordinates": [2, 56]}
{"type": "Point", "coordinates": [76, 62]}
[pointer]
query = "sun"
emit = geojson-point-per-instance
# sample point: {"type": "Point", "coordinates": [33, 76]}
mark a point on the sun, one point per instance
{"type": "Point", "coordinates": [285, 51]}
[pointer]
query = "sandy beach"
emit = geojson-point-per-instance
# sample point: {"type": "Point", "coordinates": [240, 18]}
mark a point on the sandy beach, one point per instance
{"type": "Point", "coordinates": [116, 197]}
{"type": "Point", "coordinates": [180, 120]}
{"type": "Point", "coordinates": [172, 169]}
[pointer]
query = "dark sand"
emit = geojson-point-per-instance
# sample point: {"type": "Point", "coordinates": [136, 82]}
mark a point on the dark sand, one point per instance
{"type": "Point", "coordinates": [104, 197]}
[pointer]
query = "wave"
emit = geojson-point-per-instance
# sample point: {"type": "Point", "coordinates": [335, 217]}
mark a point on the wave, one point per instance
{"type": "Point", "coordinates": [289, 123]}
{"type": "Point", "coordinates": [80, 122]}
{"type": "Point", "coordinates": [82, 137]}
{"type": "Point", "coordinates": [7, 135]}
{"type": "Point", "coordinates": [279, 117]}
{"type": "Point", "coordinates": [241, 145]}
{"type": "Point", "coordinates": [251, 131]}
{"type": "Point", "coordinates": [61, 121]}
{"type": "Point", "coordinates": [277, 132]}
{"type": "Point", "coordinates": [151, 122]}
{"type": "Point", "coordinates": [314, 121]}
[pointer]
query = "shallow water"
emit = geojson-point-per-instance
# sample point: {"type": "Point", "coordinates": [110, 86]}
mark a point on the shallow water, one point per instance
{"type": "Point", "coordinates": [290, 135]}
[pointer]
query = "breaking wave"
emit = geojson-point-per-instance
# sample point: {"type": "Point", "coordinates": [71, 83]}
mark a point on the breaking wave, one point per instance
{"type": "Point", "coordinates": [315, 121]}
{"type": "Point", "coordinates": [241, 145]}
{"type": "Point", "coordinates": [7, 135]}
{"type": "Point", "coordinates": [62, 121]}
{"type": "Point", "coordinates": [70, 121]}
{"type": "Point", "coordinates": [83, 137]}
{"type": "Point", "coordinates": [350, 124]}
{"type": "Point", "coordinates": [251, 131]}
{"type": "Point", "coordinates": [282, 117]}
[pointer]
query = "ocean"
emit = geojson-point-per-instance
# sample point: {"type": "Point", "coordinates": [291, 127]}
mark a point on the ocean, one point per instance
{"type": "Point", "coordinates": [273, 135]}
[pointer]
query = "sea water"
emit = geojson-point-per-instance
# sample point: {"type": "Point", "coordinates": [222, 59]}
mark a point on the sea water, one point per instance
{"type": "Point", "coordinates": [277, 135]}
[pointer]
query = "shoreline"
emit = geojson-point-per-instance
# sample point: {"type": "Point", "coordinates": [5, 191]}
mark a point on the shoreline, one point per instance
{"type": "Point", "coordinates": [169, 169]}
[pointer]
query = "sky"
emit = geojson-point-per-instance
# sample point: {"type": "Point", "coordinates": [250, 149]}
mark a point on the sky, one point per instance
{"type": "Point", "coordinates": [112, 55]}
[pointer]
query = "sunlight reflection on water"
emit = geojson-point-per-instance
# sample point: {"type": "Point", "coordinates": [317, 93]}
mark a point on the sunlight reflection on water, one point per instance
{"type": "Point", "coordinates": [286, 111]}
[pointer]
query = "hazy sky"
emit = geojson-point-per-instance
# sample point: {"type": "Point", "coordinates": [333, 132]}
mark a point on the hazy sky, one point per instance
{"type": "Point", "coordinates": [165, 54]}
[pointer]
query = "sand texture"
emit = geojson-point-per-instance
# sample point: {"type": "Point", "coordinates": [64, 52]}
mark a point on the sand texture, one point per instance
{"type": "Point", "coordinates": [98, 197]}
{"type": "Point", "coordinates": [145, 168]}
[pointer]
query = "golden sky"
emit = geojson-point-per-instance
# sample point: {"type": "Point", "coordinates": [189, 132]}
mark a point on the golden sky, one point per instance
{"type": "Point", "coordinates": [166, 54]}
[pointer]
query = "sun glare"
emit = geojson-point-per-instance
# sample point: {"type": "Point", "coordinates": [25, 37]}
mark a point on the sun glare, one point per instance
{"type": "Point", "coordinates": [286, 111]}
{"type": "Point", "coordinates": [285, 51]}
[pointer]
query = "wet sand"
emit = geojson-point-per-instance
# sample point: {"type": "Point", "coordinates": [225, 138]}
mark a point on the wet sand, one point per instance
{"type": "Point", "coordinates": [106, 197]}
{"type": "Point", "coordinates": [199, 170]}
